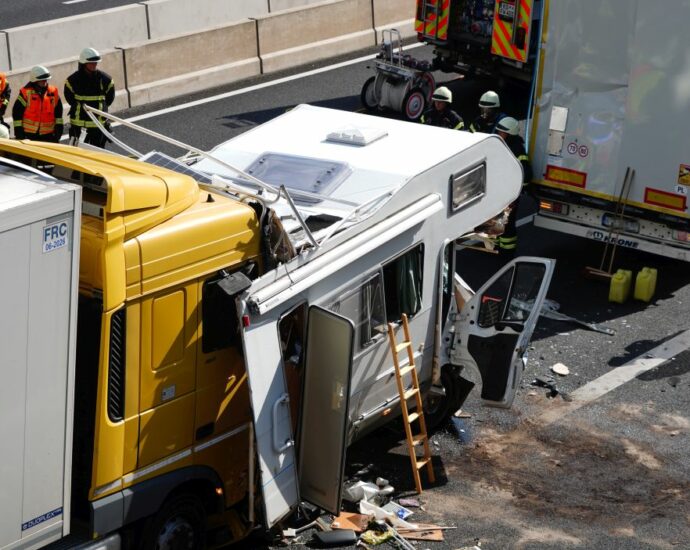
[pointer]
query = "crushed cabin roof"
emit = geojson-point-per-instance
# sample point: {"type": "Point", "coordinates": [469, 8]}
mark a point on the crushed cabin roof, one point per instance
{"type": "Point", "coordinates": [398, 151]}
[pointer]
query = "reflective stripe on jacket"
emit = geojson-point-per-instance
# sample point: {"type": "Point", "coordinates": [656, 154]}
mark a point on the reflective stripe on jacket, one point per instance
{"type": "Point", "coordinates": [41, 111]}
{"type": "Point", "coordinates": [95, 90]}
{"type": "Point", "coordinates": [4, 89]}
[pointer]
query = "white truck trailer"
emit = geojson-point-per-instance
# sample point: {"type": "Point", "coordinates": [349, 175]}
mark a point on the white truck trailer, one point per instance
{"type": "Point", "coordinates": [603, 86]}
{"type": "Point", "coordinates": [39, 277]}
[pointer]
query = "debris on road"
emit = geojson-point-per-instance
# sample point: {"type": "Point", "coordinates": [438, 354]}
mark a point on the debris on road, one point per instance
{"type": "Point", "coordinates": [550, 384]}
{"type": "Point", "coordinates": [351, 520]}
{"type": "Point", "coordinates": [560, 368]}
{"type": "Point", "coordinates": [550, 310]}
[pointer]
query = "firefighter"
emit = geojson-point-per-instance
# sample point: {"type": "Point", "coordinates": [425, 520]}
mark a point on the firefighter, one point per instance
{"type": "Point", "coordinates": [37, 111]}
{"type": "Point", "coordinates": [508, 129]}
{"type": "Point", "coordinates": [5, 92]}
{"type": "Point", "coordinates": [90, 86]}
{"type": "Point", "coordinates": [489, 113]}
{"type": "Point", "coordinates": [440, 113]}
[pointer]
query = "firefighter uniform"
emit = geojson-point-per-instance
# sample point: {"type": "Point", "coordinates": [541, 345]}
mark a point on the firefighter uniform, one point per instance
{"type": "Point", "coordinates": [92, 87]}
{"type": "Point", "coordinates": [440, 113]}
{"type": "Point", "coordinates": [507, 128]}
{"type": "Point", "coordinates": [37, 111]}
{"type": "Point", "coordinates": [5, 92]}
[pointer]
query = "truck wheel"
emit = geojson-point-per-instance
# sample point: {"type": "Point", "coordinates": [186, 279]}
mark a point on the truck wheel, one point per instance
{"type": "Point", "coordinates": [179, 524]}
{"type": "Point", "coordinates": [428, 85]}
{"type": "Point", "coordinates": [414, 104]}
{"type": "Point", "coordinates": [368, 96]}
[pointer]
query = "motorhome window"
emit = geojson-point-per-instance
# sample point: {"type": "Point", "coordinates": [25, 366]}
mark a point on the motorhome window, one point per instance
{"type": "Point", "coordinates": [526, 287]}
{"type": "Point", "coordinates": [467, 187]}
{"type": "Point", "coordinates": [364, 306]}
{"type": "Point", "coordinates": [494, 299]}
{"type": "Point", "coordinates": [402, 280]}
{"type": "Point", "coordinates": [300, 174]}
{"type": "Point", "coordinates": [220, 326]}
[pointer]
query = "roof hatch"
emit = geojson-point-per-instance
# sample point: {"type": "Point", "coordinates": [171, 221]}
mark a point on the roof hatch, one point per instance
{"type": "Point", "coordinates": [356, 136]}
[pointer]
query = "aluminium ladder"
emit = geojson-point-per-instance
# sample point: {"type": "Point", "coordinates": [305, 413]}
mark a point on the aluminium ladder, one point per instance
{"type": "Point", "coordinates": [421, 438]}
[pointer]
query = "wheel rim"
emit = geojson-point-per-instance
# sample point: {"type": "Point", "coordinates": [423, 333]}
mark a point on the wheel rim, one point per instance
{"type": "Point", "coordinates": [428, 85]}
{"type": "Point", "coordinates": [176, 534]}
{"type": "Point", "coordinates": [414, 105]}
{"type": "Point", "coordinates": [369, 96]}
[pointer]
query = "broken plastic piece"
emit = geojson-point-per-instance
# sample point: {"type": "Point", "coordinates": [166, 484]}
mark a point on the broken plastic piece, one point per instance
{"type": "Point", "coordinates": [331, 539]}
{"type": "Point", "coordinates": [560, 368]}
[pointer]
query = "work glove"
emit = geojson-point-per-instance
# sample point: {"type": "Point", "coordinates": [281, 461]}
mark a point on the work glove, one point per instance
{"type": "Point", "coordinates": [18, 132]}
{"type": "Point", "coordinates": [74, 131]}
{"type": "Point", "coordinates": [57, 134]}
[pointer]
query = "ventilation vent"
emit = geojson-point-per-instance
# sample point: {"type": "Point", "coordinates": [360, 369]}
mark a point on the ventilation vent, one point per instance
{"type": "Point", "coordinates": [116, 368]}
{"type": "Point", "coordinates": [356, 136]}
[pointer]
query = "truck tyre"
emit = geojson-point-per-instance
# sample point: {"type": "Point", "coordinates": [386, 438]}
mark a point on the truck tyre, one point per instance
{"type": "Point", "coordinates": [368, 95]}
{"type": "Point", "coordinates": [180, 523]}
{"type": "Point", "coordinates": [437, 408]}
{"type": "Point", "coordinates": [428, 85]}
{"type": "Point", "coordinates": [414, 104]}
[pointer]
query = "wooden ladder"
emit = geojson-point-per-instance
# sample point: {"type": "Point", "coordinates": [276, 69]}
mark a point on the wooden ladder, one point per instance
{"type": "Point", "coordinates": [421, 438]}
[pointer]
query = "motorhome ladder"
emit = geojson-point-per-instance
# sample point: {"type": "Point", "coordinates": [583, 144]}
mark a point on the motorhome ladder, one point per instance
{"type": "Point", "coordinates": [420, 438]}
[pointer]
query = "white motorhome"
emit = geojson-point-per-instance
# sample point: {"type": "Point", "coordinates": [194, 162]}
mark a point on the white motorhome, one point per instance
{"type": "Point", "coordinates": [385, 201]}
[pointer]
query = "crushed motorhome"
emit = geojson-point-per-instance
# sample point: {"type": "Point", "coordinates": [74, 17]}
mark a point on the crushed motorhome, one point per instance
{"type": "Point", "coordinates": [234, 307]}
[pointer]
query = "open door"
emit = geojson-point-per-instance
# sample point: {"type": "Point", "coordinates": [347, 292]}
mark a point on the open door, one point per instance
{"type": "Point", "coordinates": [271, 411]}
{"type": "Point", "coordinates": [496, 324]}
{"type": "Point", "coordinates": [325, 401]}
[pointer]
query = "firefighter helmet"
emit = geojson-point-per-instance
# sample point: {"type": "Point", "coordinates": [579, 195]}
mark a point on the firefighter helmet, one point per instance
{"type": "Point", "coordinates": [508, 125]}
{"type": "Point", "coordinates": [89, 55]}
{"type": "Point", "coordinates": [490, 99]}
{"type": "Point", "coordinates": [4, 132]}
{"type": "Point", "coordinates": [39, 72]}
{"type": "Point", "coordinates": [442, 94]}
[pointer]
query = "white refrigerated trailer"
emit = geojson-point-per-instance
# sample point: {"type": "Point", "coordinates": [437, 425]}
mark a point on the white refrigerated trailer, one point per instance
{"type": "Point", "coordinates": [39, 253]}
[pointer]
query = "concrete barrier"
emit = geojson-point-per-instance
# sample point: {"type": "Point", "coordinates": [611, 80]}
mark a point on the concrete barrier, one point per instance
{"type": "Point", "coordinates": [397, 14]}
{"type": "Point", "coordinates": [298, 36]}
{"type": "Point", "coordinates": [169, 67]}
{"type": "Point", "coordinates": [173, 17]}
{"type": "Point", "coordinates": [4, 55]}
{"type": "Point", "coordinates": [280, 5]}
{"type": "Point", "coordinates": [112, 63]}
{"type": "Point", "coordinates": [41, 43]}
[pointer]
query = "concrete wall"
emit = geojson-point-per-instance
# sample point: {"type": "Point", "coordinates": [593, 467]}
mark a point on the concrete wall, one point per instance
{"type": "Point", "coordinates": [399, 14]}
{"type": "Point", "coordinates": [172, 17]}
{"type": "Point", "coordinates": [299, 36]}
{"type": "Point", "coordinates": [169, 67]}
{"type": "Point", "coordinates": [44, 42]}
{"type": "Point", "coordinates": [112, 63]}
{"type": "Point", "coordinates": [147, 70]}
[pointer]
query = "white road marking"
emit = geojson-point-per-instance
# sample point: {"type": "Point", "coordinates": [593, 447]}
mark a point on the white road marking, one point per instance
{"type": "Point", "coordinates": [257, 86]}
{"type": "Point", "coordinates": [619, 376]}
{"type": "Point", "coordinates": [74, 1]}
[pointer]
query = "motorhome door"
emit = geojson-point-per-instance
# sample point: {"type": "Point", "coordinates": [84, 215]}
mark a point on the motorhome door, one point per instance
{"type": "Point", "coordinates": [495, 326]}
{"type": "Point", "coordinates": [325, 400]}
{"type": "Point", "coordinates": [271, 411]}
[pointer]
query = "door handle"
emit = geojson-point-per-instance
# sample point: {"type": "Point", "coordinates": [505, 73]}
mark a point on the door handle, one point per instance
{"type": "Point", "coordinates": [278, 446]}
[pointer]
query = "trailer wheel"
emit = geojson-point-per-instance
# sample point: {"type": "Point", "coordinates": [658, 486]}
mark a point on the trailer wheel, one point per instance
{"type": "Point", "coordinates": [179, 524]}
{"type": "Point", "coordinates": [428, 84]}
{"type": "Point", "coordinates": [437, 408]}
{"type": "Point", "coordinates": [368, 95]}
{"type": "Point", "coordinates": [414, 104]}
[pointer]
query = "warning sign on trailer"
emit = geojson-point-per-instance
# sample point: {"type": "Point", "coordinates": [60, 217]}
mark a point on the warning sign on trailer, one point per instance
{"type": "Point", "coordinates": [684, 174]}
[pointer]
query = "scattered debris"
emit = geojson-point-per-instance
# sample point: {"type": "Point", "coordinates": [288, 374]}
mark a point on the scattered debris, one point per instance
{"type": "Point", "coordinates": [351, 520]}
{"type": "Point", "coordinates": [397, 509]}
{"type": "Point", "coordinates": [550, 384]}
{"type": "Point", "coordinates": [460, 414]}
{"type": "Point", "coordinates": [463, 431]}
{"type": "Point", "coordinates": [549, 309]}
{"type": "Point", "coordinates": [291, 532]}
{"type": "Point", "coordinates": [409, 502]}
{"type": "Point", "coordinates": [331, 539]}
{"type": "Point", "coordinates": [560, 368]}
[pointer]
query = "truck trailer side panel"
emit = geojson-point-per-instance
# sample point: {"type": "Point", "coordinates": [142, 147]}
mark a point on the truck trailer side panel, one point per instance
{"type": "Point", "coordinates": [38, 282]}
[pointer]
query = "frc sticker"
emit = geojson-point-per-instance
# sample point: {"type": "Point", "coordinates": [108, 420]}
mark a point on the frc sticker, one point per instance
{"type": "Point", "coordinates": [55, 236]}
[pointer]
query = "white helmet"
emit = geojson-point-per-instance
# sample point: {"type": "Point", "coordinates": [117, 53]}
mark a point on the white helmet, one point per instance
{"type": "Point", "coordinates": [508, 125]}
{"type": "Point", "coordinates": [442, 94]}
{"type": "Point", "coordinates": [4, 132]}
{"type": "Point", "coordinates": [89, 55]}
{"type": "Point", "coordinates": [490, 100]}
{"type": "Point", "coordinates": [39, 72]}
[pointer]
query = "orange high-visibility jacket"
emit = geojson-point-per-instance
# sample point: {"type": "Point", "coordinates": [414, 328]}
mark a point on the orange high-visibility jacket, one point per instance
{"type": "Point", "coordinates": [41, 113]}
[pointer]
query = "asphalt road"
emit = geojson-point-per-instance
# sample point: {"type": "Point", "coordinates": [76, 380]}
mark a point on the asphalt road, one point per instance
{"type": "Point", "coordinates": [615, 473]}
{"type": "Point", "coordinates": [16, 14]}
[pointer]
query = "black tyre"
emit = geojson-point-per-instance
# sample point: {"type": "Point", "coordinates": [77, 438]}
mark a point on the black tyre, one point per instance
{"type": "Point", "coordinates": [179, 525]}
{"type": "Point", "coordinates": [438, 408]}
{"type": "Point", "coordinates": [368, 95]}
{"type": "Point", "coordinates": [414, 104]}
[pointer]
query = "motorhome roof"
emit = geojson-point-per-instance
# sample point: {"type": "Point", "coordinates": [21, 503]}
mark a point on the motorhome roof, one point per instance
{"type": "Point", "coordinates": [383, 165]}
